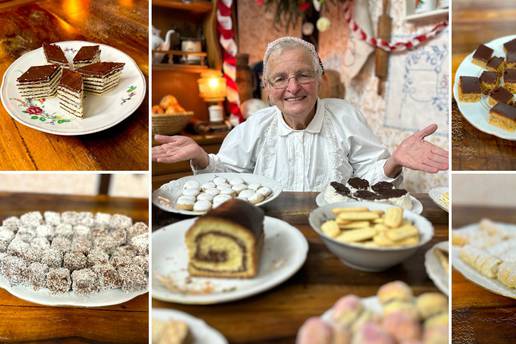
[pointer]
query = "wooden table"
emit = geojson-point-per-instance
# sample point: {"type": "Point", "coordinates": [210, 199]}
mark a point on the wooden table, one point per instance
{"type": "Point", "coordinates": [121, 24]}
{"type": "Point", "coordinates": [478, 315]}
{"type": "Point", "coordinates": [476, 22]}
{"type": "Point", "coordinates": [275, 315]}
{"type": "Point", "coordinates": [23, 321]}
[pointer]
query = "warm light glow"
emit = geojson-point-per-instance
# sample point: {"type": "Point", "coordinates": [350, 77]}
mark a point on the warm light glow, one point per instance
{"type": "Point", "coordinates": [212, 86]}
{"type": "Point", "coordinates": [76, 10]}
{"type": "Point", "coordinates": [126, 3]}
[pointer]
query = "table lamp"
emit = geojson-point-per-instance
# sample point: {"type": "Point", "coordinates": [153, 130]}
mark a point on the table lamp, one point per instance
{"type": "Point", "coordinates": [212, 88]}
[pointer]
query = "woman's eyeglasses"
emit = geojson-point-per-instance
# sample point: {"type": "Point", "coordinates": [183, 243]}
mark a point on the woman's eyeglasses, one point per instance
{"type": "Point", "coordinates": [281, 81]}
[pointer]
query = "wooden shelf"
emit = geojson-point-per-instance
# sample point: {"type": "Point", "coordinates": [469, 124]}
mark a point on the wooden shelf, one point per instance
{"type": "Point", "coordinates": [179, 67]}
{"type": "Point", "coordinates": [195, 7]}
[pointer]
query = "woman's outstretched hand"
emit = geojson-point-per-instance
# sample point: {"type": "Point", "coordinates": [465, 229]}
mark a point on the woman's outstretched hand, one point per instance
{"type": "Point", "coordinates": [179, 148]}
{"type": "Point", "coordinates": [417, 154]}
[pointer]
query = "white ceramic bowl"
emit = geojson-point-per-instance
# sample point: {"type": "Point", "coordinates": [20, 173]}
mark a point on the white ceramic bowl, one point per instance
{"type": "Point", "coordinates": [367, 258]}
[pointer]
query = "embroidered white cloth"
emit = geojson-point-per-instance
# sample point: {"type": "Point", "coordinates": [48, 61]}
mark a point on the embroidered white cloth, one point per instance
{"type": "Point", "coordinates": [336, 145]}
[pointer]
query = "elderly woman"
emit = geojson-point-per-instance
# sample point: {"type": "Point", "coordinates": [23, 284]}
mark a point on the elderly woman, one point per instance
{"type": "Point", "coordinates": [302, 141]}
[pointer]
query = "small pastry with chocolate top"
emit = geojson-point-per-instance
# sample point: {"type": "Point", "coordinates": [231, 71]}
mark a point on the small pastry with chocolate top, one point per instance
{"type": "Point", "coordinates": [496, 64]}
{"type": "Point", "coordinates": [488, 81]}
{"type": "Point", "coordinates": [509, 79]}
{"type": "Point", "coordinates": [469, 89]}
{"type": "Point", "coordinates": [499, 95]}
{"type": "Point", "coordinates": [482, 55]}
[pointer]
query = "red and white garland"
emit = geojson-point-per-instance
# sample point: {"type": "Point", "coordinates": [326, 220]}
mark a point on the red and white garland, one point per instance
{"type": "Point", "coordinates": [226, 39]}
{"type": "Point", "coordinates": [387, 46]}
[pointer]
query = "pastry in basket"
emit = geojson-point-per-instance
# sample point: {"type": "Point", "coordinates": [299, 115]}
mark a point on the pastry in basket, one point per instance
{"type": "Point", "coordinates": [227, 241]}
{"type": "Point", "coordinates": [360, 190]}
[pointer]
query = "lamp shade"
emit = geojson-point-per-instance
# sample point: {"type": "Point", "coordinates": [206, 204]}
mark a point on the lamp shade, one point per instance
{"type": "Point", "coordinates": [212, 86]}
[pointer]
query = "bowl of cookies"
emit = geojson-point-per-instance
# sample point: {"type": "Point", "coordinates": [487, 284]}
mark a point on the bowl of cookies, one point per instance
{"type": "Point", "coordinates": [370, 236]}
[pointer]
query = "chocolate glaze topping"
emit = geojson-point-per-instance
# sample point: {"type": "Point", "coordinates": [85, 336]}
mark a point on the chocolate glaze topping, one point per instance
{"type": "Point", "coordinates": [483, 53]}
{"type": "Point", "coordinates": [241, 212]}
{"type": "Point", "coordinates": [470, 84]}
{"type": "Point", "coordinates": [500, 94]}
{"type": "Point", "coordinates": [358, 183]}
{"type": "Point", "coordinates": [494, 62]}
{"type": "Point", "coordinates": [392, 193]}
{"type": "Point", "coordinates": [367, 195]}
{"type": "Point", "coordinates": [71, 80]}
{"type": "Point", "coordinates": [489, 77]}
{"type": "Point", "coordinates": [509, 75]}
{"type": "Point", "coordinates": [38, 73]}
{"type": "Point", "coordinates": [504, 110]}
{"type": "Point", "coordinates": [382, 186]}
{"type": "Point", "coordinates": [511, 45]}
{"type": "Point", "coordinates": [511, 56]}
{"type": "Point", "coordinates": [340, 188]}
{"type": "Point", "coordinates": [54, 53]}
{"type": "Point", "coordinates": [86, 53]}
{"type": "Point", "coordinates": [100, 69]}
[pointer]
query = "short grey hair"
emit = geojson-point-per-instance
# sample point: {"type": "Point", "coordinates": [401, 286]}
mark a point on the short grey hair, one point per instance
{"type": "Point", "coordinates": [292, 43]}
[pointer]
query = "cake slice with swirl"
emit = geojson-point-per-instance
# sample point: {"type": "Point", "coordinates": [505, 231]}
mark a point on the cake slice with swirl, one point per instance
{"type": "Point", "coordinates": [226, 242]}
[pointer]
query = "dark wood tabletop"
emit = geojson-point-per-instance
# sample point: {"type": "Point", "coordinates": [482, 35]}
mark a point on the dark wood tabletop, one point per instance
{"type": "Point", "coordinates": [478, 315]}
{"type": "Point", "coordinates": [476, 22]}
{"type": "Point", "coordinates": [22, 321]}
{"type": "Point", "coordinates": [120, 24]}
{"type": "Point", "coordinates": [275, 316]}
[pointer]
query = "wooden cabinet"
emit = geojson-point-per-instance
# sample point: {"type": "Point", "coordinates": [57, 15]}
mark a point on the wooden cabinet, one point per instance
{"type": "Point", "coordinates": [194, 20]}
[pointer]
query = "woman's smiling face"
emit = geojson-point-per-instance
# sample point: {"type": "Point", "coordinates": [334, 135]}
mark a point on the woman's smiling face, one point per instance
{"type": "Point", "coordinates": [292, 82]}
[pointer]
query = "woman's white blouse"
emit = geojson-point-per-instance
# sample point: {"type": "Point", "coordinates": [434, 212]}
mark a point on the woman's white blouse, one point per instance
{"type": "Point", "coordinates": [336, 145]}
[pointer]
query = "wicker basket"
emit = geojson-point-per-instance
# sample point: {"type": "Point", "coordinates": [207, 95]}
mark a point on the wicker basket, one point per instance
{"type": "Point", "coordinates": [165, 124]}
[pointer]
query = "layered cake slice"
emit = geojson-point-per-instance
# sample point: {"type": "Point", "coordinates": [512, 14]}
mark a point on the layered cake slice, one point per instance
{"type": "Point", "coordinates": [482, 55]}
{"type": "Point", "coordinates": [499, 95]}
{"type": "Point", "coordinates": [469, 89]}
{"type": "Point", "coordinates": [496, 64]}
{"type": "Point", "coordinates": [102, 76]}
{"type": "Point", "coordinates": [510, 59]}
{"type": "Point", "coordinates": [39, 81]}
{"type": "Point", "coordinates": [503, 116]}
{"type": "Point", "coordinates": [70, 93]}
{"type": "Point", "coordinates": [488, 81]}
{"type": "Point", "coordinates": [54, 54]}
{"type": "Point", "coordinates": [86, 56]}
{"type": "Point", "coordinates": [509, 46]}
{"type": "Point", "coordinates": [227, 241]}
{"type": "Point", "coordinates": [509, 79]}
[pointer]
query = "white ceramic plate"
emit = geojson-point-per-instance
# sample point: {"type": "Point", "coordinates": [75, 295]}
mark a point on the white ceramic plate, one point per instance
{"type": "Point", "coordinates": [284, 252]}
{"type": "Point", "coordinates": [45, 297]}
{"type": "Point", "coordinates": [473, 275]}
{"type": "Point", "coordinates": [100, 111]}
{"type": "Point", "coordinates": [202, 333]}
{"type": "Point", "coordinates": [434, 269]}
{"type": "Point", "coordinates": [477, 114]}
{"type": "Point", "coordinates": [417, 206]}
{"type": "Point", "coordinates": [172, 190]}
{"type": "Point", "coordinates": [436, 193]}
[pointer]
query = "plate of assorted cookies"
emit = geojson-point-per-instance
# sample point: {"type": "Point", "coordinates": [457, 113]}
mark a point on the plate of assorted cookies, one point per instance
{"type": "Point", "coordinates": [72, 88]}
{"type": "Point", "coordinates": [195, 195]}
{"type": "Point", "coordinates": [394, 315]}
{"type": "Point", "coordinates": [485, 84]}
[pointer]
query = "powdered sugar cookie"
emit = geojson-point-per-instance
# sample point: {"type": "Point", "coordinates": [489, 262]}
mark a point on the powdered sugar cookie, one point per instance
{"type": "Point", "coordinates": [185, 203]}
{"type": "Point", "coordinates": [192, 184]}
{"type": "Point", "coordinates": [202, 206]}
